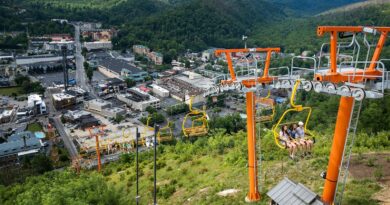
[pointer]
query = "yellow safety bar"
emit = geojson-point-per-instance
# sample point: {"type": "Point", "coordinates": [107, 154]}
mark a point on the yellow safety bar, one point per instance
{"type": "Point", "coordinates": [194, 130]}
{"type": "Point", "coordinates": [294, 108]}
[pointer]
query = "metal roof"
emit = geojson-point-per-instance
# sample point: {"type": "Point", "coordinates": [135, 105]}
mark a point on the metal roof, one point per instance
{"type": "Point", "coordinates": [15, 146]}
{"type": "Point", "coordinates": [118, 65]}
{"type": "Point", "coordinates": [288, 192]}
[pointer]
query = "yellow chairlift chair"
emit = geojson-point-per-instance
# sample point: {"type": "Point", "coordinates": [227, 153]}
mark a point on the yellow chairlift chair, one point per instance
{"type": "Point", "coordinates": [265, 111]}
{"type": "Point", "coordinates": [165, 133]}
{"type": "Point", "coordinates": [199, 122]}
{"type": "Point", "coordinates": [294, 109]}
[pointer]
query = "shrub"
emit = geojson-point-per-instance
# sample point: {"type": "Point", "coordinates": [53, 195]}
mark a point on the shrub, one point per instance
{"type": "Point", "coordinates": [378, 173]}
{"type": "Point", "coordinates": [166, 191]}
{"type": "Point", "coordinates": [371, 162]}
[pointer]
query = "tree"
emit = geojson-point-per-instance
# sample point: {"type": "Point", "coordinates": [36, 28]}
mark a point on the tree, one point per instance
{"type": "Point", "coordinates": [187, 64]}
{"type": "Point", "coordinates": [41, 164]}
{"type": "Point", "coordinates": [89, 73]}
{"type": "Point", "coordinates": [150, 109]}
{"type": "Point", "coordinates": [130, 82]}
{"type": "Point", "coordinates": [84, 52]}
{"type": "Point", "coordinates": [86, 65]}
{"type": "Point", "coordinates": [119, 118]}
{"type": "Point", "coordinates": [148, 78]}
{"type": "Point", "coordinates": [209, 67]}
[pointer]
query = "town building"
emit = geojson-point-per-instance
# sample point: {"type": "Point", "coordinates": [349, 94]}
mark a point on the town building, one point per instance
{"type": "Point", "coordinates": [19, 145]}
{"type": "Point", "coordinates": [104, 108]}
{"type": "Point", "coordinates": [196, 80]}
{"type": "Point", "coordinates": [99, 34]}
{"type": "Point", "coordinates": [139, 100]}
{"type": "Point", "coordinates": [116, 68]}
{"type": "Point", "coordinates": [62, 21]}
{"type": "Point", "coordinates": [78, 93]}
{"type": "Point", "coordinates": [208, 54]}
{"type": "Point", "coordinates": [57, 45]}
{"type": "Point", "coordinates": [140, 49]}
{"type": "Point", "coordinates": [75, 116]}
{"type": "Point", "coordinates": [6, 115]}
{"type": "Point", "coordinates": [97, 45]}
{"type": "Point", "coordinates": [27, 60]}
{"type": "Point", "coordinates": [156, 57]}
{"type": "Point", "coordinates": [35, 103]}
{"type": "Point", "coordinates": [162, 92]}
{"type": "Point", "coordinates": [181, 90]}
{"type": "Point", "coordinates": [63, 100]}
{"type": "Point", "coordinates": [87, 26]}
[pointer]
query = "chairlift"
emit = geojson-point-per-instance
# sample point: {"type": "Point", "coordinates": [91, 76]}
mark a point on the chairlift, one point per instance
{"type": "Point", "coordinates": [294, 109]}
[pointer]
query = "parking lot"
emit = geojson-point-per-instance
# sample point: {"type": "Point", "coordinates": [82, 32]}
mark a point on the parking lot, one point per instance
{"type": "Point", "coordinates": [49, 78]}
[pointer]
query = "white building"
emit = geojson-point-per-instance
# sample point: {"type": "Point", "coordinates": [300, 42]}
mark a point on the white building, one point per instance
{"type": "Point", "coordinates": [139, 100]}
{"type": "Point", "coordinates": [162, 92]}
{"type": "Point", "coordinates": [57, 45]}
{"type": "Point", "coordinates": [35, 102]}
{"type": "Point", "coordinates": [98, 45]}
{"type": "Point", "coordinates": [103, 108]}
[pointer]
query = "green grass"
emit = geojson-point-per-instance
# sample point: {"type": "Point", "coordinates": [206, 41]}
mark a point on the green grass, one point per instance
{"type": "Point", "coordinates": [10, 90]}
{"type": "Point", "coordinates": [193, 175]}
{"type": "Point", "coordinates": [34, 127]}
{"type": "Point", "coordinates": [188, 173]}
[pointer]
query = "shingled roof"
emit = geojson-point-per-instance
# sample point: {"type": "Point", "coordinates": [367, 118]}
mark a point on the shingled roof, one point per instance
{"type": "Point", "coordinates": [288, 192]}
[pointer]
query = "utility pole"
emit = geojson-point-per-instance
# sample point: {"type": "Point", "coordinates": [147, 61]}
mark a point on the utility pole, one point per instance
{"type": "Point", "coordinates": [156, 129]}
{"type": "Point", "coordinates": [65, 69]}
{"type": "Point", "coordinates": [137, 136]}
{"type": "Point", "coordinates": [244, 38]}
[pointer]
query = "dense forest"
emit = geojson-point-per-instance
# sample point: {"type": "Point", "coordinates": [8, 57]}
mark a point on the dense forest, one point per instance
{"type": "Point", "coordinates": [173, 26]}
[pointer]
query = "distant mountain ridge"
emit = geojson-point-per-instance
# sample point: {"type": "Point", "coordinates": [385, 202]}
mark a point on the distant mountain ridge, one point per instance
{"type": "Point", "coordinates": [311, 7]}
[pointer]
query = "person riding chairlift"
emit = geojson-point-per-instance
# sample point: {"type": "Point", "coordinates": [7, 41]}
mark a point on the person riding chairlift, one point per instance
{"type": "Point", "coordinates": [286, 139]}
{"type": "Point", "coordinates": [301, 135]}
{"type": "Point", "coordinates": [301, 144]}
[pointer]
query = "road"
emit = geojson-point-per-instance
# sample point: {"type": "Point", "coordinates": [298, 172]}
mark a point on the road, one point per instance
{"type": "Point", "coordinates": [81, 77]}
{"type": "Point", "coordinates": [69, 145]}
{"type": "Point", "coordinates": [65, 137]}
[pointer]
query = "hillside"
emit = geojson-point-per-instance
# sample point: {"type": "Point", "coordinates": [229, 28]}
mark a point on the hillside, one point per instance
{"type": "Point", "coordinates": [356, 6]}
{"type": "Point", "coordinates": [311, 7]}
{"type": "Point", "coordinates": [214, 23]}
{"type": "Point", "coordinates": [291, 39]}
{"type": "Point", "coordinates": [193, 173]}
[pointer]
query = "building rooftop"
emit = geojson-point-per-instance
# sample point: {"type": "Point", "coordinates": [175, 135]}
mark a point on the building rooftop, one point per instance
{"type": "Point", "coordinates": [62, 96]}
{"type": "Point", "coordinates": [159, 88]}
{"type": "Point", "coordinates": [139, 46]}
{"type": "Point", "coordinates": [137, 95]}
{"type": "Point", "coordinates": [16, 144]}
{"type": "Point", "coordinates": [114, 81]}
{"type": "Point", "coordinates": [118, 65]}
{"type": "Point", "coordinates": [99, 102]}
{"type": "Point", "coordinates": [180, 87]}
{"type": "Point", "coordinates": [77, 114]}
{"type": "Point", "coordinates": [196, 80]}
{"type": "Point", "coordinates": [288, 192]}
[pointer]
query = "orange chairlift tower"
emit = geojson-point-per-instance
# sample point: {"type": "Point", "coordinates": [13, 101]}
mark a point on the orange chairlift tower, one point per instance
{"type": "Point", "coordinates": [355, 85]}
{"type": "Point", "coordinates": [356, 81]}
{"type": "Point", "coordinates": [249, 85]}
{"type": "Point", "coordinates": [97, 131]}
